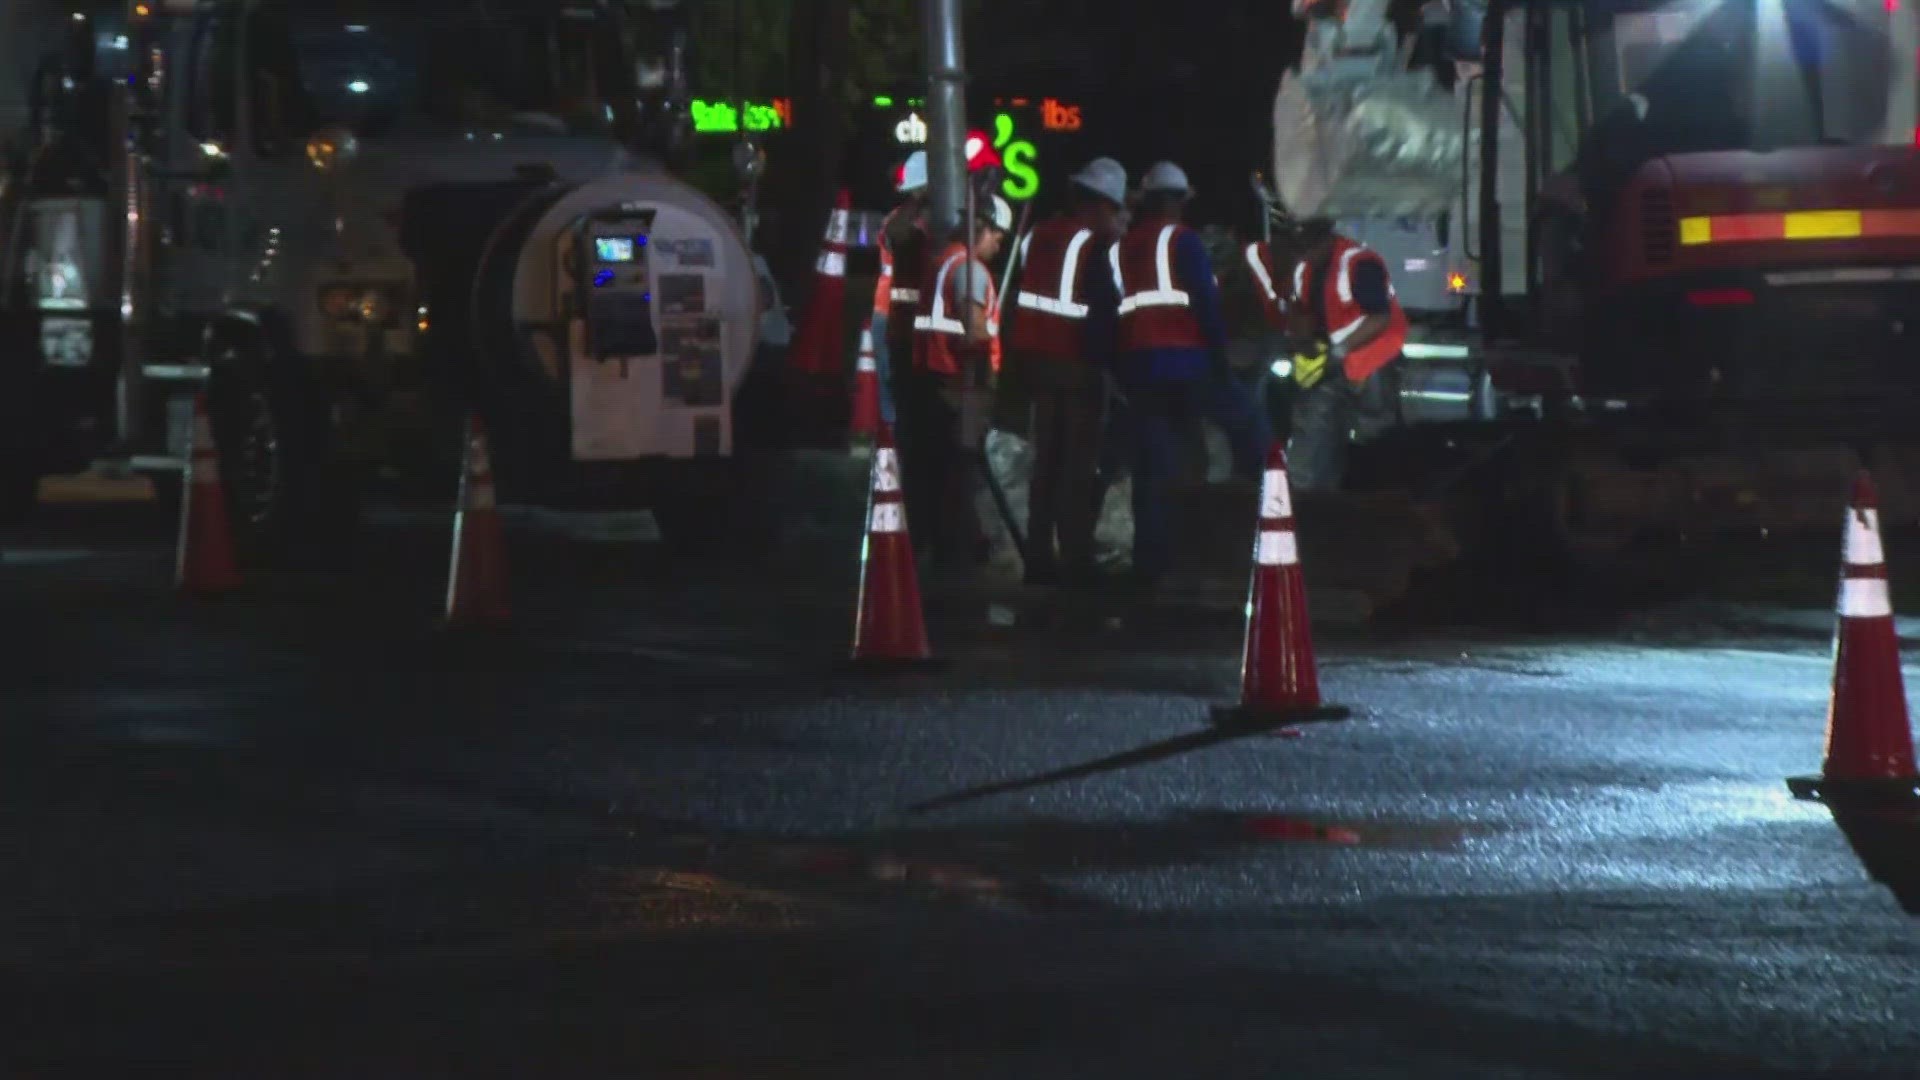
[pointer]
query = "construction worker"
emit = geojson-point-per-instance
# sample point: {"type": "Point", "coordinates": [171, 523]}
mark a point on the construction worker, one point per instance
{"type": "Point", "coordinates": [1270, 269]}
{"type": "Point", "coordinates": [1062, 343]}
{"type": "Point", "coordinates": [958, 338]}
{"type": "Point", "coordinates": [897, 292]}
{"type": "Point", "coordinates": [1344, 294]}
{"type": "Point", "coordinates": [1172, 362]}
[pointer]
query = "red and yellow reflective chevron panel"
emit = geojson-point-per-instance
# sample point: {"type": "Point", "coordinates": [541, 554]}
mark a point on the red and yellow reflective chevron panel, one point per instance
{"type": "Point", "coordinates": [1798, 225]}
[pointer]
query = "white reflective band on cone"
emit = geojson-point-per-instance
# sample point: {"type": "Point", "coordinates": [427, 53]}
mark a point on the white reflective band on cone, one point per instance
{"type": "Point", "coordinates": [886, 470]}
{"type": "Point", "coordinates": [1864, 598]}
{"type": "Point", "coordinates": [888, 517]}
{"type": "Point", "coordinates": [1275, 500]}
{"type": "Point", "coordinates": [1277, 548]}
{"type": "Point", "coordinates": [1863, 539]}
{"type": "Point", "coordinates": [906, 296]}
{"type": "Point", "coordinates": [832, 264]}
{"type": "Point", "coordinates": [837, 227]}
{"type": "Point", "coordinates": [867, 363]}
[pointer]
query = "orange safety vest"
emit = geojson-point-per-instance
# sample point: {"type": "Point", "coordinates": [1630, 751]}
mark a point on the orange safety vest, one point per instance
{"type": "Point", "coordinates": [1343, 315]}
{"type": "Point", "coordinates": [1056, 259]}
{"type": "Point", "coordinates": [1155, 313]}
{"type": "Point", "coordinates": [940, 341]}
{"type": "Point", "coordinates": [889, 299]}
{"type": "Point", "coordinates": [1275, 306]}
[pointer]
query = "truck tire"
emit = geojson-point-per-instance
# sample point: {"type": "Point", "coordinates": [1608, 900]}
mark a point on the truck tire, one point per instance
{"type": "Point", "coordinates": [271, 424]}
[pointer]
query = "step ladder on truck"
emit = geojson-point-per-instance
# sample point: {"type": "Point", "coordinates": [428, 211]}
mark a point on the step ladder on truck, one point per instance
{"type": "Point", "coordinates": [1639, 306]}
{"type": "Point", "coordinates": [353, 225]}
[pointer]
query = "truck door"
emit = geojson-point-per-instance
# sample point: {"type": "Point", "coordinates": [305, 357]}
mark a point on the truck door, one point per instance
{"type": "Point", "coordinates": [196, 195]}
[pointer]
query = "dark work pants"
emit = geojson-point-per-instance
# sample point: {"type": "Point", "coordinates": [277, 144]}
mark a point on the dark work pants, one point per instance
{"type": "Point", "coordinates": [1157, 414]}
{"type": "Point", "coordinates": [1069, 417]}
{"type": "Point", "coordinates": [942, 473]}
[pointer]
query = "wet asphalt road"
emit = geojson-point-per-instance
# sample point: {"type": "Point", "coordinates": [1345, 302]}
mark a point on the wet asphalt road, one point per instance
{"type": "Point", "coordinates": [658, 831]}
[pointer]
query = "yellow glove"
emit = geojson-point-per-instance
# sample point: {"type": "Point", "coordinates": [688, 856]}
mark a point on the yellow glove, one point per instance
{"type": "Point", "coordinates": [1309, 370]}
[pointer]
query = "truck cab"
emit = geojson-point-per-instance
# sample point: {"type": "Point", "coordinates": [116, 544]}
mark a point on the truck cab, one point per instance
{"type": "Point", "coordinates": [352, 224]}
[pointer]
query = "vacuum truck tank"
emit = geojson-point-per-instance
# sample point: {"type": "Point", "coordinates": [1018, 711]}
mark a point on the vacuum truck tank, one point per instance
{"type": "Point", "coordinates": [353, 223]}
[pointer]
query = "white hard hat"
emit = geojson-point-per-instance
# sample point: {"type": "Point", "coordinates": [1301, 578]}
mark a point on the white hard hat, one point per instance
{"type": "Point", "coordinates": [1002, 214]}
{"type": "Point", "coordinates": [1165, 176]}
{"type": "Point", "coordinates": [1105, 177]}
{"type": "Point", "coordinates": [913, 175]}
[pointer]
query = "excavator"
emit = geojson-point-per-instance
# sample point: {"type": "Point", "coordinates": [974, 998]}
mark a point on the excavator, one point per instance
{"type": "Point", "coordinates": [1662, 260]}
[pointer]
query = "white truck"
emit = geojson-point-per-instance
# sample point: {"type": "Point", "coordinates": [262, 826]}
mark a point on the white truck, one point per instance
{"type": "Point", "coordinates": [352, 223]}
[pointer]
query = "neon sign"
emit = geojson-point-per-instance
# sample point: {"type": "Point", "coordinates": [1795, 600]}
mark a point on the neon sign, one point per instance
{"type": "Point", "coordinates": [720, 117]}
{"type": "Point", "coordinates": [1057, 117]}
{"type": "Point", "coordinates": [1017, 156]}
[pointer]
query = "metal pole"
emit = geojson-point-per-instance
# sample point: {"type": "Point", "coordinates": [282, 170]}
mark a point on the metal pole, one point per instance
{"type": "Point", "coordinates": [1494, 35]}
{"type": "Point", "coordinates": [946, 117]}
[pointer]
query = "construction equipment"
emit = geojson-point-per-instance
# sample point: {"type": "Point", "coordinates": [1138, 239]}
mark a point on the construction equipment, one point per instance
{"type": "Point", "coordinates": [1662, 256]}
{"type": "Point", "coordinates": [354, 223]}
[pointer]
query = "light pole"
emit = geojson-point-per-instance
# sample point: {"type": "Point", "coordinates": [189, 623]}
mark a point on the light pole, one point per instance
{"type": "Point", "coordinates": [946, 117]}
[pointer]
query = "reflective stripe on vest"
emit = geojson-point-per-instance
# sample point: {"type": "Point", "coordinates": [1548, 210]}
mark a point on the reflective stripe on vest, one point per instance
{"type": "Point", "coordinates": [1343, 286]}
{"type": "Point", "coordinates": [941, 346]}
{"type": "Point", "coordinates": [1344, 317]}
{"type": "Point", "coordinates": [1260, 274]}
{"type": "Point", "coordinates": [936, 320]}
{"type": "Point", "coordinates": [1163, 294]}
{"type": "Point", "coordinates": [1063, 303]}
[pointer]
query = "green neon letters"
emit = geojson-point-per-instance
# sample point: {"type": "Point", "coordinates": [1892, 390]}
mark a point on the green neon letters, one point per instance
{"type": "Point", "coordinates": [720, 117]}
{"type": "Point", "coordinates": [1017, 156]}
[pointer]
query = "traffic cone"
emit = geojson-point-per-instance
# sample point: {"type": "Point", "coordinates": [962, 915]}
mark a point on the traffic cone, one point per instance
{"type": "Point", "coordinates": [890, 624]}
{"type": "Point", "coordinates": [1278, 680]}
{"type": "Point", "coordinates": [819, 342]}
{"type": "Point", "coordinates": [203, 560]}
{"type": "Point", "coordinates": [1869, 761]}
{"type": "Point", "coordinates": [865, 417]}
{"type": "Point", "coordinates": [477, 579]}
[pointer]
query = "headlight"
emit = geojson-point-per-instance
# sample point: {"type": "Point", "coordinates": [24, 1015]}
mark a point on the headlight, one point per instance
{"type": "Point", "coordinates": [372, 304]}
{"type": "Point", "coordinates": [1282, 368]}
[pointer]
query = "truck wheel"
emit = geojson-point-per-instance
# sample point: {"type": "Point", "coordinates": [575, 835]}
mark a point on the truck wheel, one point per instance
{"type": "Point", "coordinates": [271, 427]}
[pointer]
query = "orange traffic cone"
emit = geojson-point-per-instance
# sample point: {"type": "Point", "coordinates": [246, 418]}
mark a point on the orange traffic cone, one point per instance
{"type": "Point", "coordinates": [1278, 679]}
{"type": "Point", "coordinates": [1869, 761]}
{"type": "Point", "coordinates": [865, 417]}
{"type": "Point", "coordinates": [477, 581]}
{"type": "Point", "coordinates": [820, 340]}
{"type": "Point", "coordinates": [203, 561]}
{"type": "Point", "coordinates": [890, 624]}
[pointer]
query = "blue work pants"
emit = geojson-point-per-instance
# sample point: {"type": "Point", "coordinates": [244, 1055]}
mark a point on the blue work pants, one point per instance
{"type": "Point", "coordinates": [1156, 415]}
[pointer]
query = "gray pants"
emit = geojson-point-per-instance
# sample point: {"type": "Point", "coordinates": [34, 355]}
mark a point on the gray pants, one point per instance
{"type": "Point", "coordinates": [1323, 419]}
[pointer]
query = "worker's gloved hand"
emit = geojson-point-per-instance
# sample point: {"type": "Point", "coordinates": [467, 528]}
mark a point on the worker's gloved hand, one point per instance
{"type": "Point", "coordinates": [1310, 368]}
